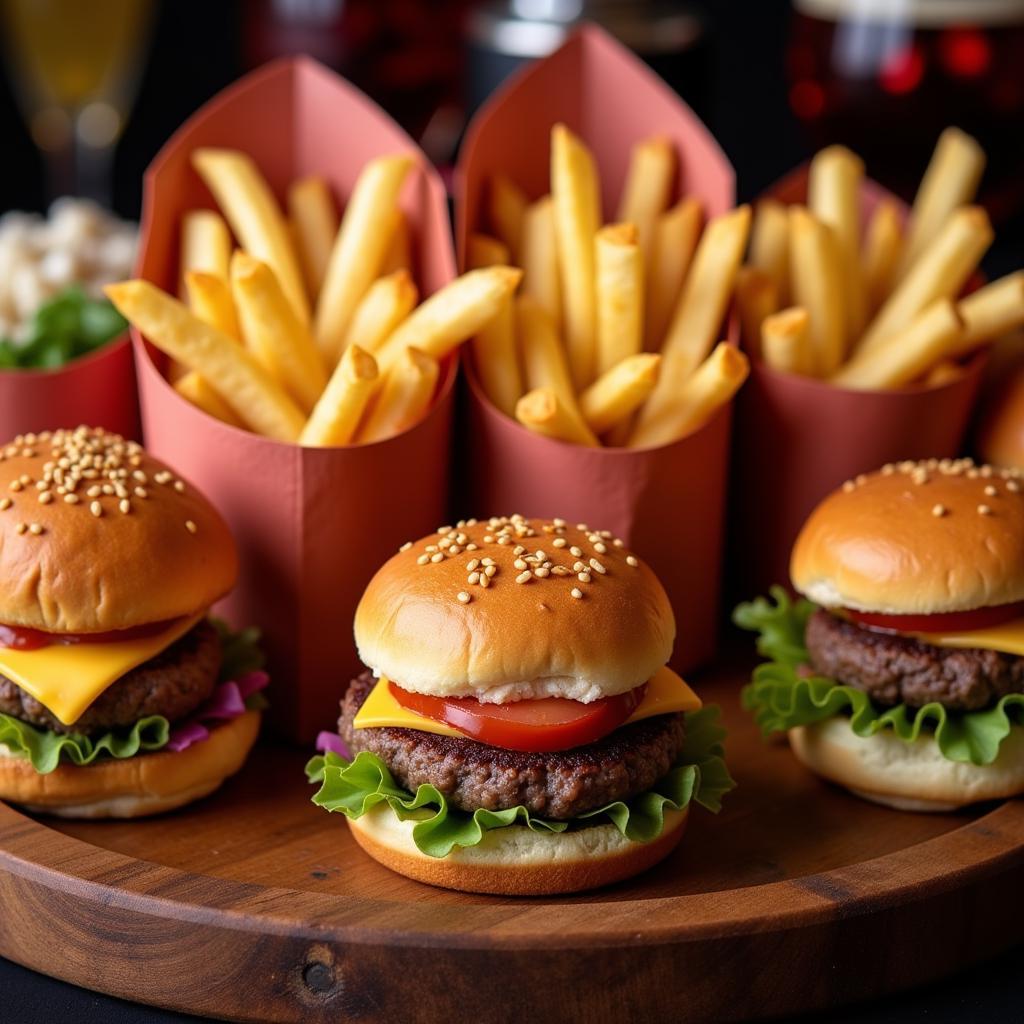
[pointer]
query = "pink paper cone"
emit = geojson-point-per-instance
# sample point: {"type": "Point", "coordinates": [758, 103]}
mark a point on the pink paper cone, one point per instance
{"type": "Point", "coordinates": [312, 524]}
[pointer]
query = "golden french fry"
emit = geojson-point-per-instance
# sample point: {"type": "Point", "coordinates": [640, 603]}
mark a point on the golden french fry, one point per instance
{"type": "Point", "coordinates": [239, 377]}
{"type": "Point", "coordinates": [577, 198]}
{"type": "Point", "coordinates": [209, 297]}
{"type": "Point", "coordinates": [620, 391]}
{"type": "Point", "coordinates": [337, 414]}
{"type": "Point", "coordinates": [399, 252]}
{"type": "Point", "coordinates": [816, 285]}
{"type": "Point", "coordinates": [756, 298]}
{"type": "Point", "coordinates": [274, 333]}
{"type": "Point", "coordinates": [386, 304]}
{"type": "Point", "coordinates": [193, 388]}
{"type": "Point", "coordinates": [364, 237]}
{"type": "Point", "coordinates": [542, 412]}
{"type": "Point", "coordinates": [675, 239]}
{"type": "Point", "coordinates": [833, 196]}
{"type": "Point", "coordinates": [943, 373]}
{"type": "Point", "coordinates": [882, 246]}
{"type": "Point", "coordinates": [314, 223]}
{"type": "Point", "coordinates": [545, 363]}
{"type": "Point", "coordinates": [648, 189]}
{"type": "Point", "coordinates": [539, 258]}
{"type": "Point", "coordinates": [452, 315]}
{"type": "Point", "coordinates": [769, 244]}
{"type": "Point", "coordinates": [246, 201]}
{"type": "Point", "coordinates": [941, 272]}
{"type": "Point", "coordinates": [485, 251]}
{"type": "Point", "coordinates": [950, 181]}
{"type": "Point", "coordinates": [907, 355]}
{"type": "Point", "coordinates": [620, 294]}
{"type": "Point", "coordinates": [786, 341]}
{"type": "Point", "coordinates": [205, 246]}
{"type": "Point", "coordinates": [404, 397]}
{"type": "Point", "coordinates": [506, 209]}
{"type": "Point", "coordinates": [697, 398]}
{"type": "Point", "coordinates": [991, 311]}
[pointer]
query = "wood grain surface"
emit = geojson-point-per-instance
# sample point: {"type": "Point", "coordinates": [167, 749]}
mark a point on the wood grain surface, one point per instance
{"type": "Point", "coordinates": [255, 905]}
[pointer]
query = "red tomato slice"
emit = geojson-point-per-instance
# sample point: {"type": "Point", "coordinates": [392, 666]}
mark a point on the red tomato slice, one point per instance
{"type": "Point", "coordinates": [532, 725]}
{"type": "Point", "coordinates": [943, 622]}
{"type": "Point", "coordinates": [24, 638]}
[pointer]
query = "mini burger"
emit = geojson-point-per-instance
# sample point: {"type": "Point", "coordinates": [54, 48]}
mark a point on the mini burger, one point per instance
{"type": "Point", "coordinates": [901, 674]}
{"type": "Point", "coordinates": [516, 730]}
{"type": "Point", "coordinates": [118, 697]}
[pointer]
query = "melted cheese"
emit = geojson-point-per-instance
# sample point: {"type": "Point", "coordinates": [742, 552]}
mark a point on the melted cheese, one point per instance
{"type": "Point", "coordinates": [67, 678]}
{"type": "Point", "coordinates": [666, 694]}
{"type": "Point", "coordinates": [1007, 638]}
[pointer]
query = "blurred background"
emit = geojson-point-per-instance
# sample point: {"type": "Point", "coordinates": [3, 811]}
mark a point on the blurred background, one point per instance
{"type": "Point", "coordinates": [90, 91]}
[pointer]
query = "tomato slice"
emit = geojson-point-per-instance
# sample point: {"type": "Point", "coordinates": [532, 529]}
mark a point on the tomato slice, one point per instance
{"type": "Point", "coordinates": [24, 638]}
{"type": "Point", "coordinates": [942, 622]}
{"type": "Point", "coordinates": [552, 723]}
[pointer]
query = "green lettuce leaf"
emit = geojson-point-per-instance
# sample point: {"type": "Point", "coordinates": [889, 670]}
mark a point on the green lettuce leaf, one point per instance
{"type": "Point", "coordinates": [357, 786]}
{"type": "Point", "coordinates": [781, 695]}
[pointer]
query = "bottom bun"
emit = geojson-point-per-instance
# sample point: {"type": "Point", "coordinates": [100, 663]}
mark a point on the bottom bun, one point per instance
{"type": "Point", "coordinates": [907, 776]}
{"type": "Point", "coordinates": [135, 786]}
{"type": "Point", "coordinates": [516, 861]}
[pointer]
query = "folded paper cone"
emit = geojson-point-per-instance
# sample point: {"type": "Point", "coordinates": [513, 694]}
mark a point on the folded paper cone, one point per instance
{"type": "Point", "coordinates": [97, 390]}
{"type": "Point", "coordinates": [312, 524]}
{"type": "Point", "coordinates": [798, 438]}
{"type": "Point", "coordinates": [667, 503]}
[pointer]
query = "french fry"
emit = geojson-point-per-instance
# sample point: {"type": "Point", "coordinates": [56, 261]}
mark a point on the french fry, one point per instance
{"type": "Point", "coordinates": [907, 355]}
{"type": "Point", "coordinates": [577, 198]}
{"type": "Point", "coordinates": [648, 188]}
{"type": "Point", "coordinates": [386, 304]}
{"type": "Point", "coordinates": [833, 196]}
{"type": "Point", "coordinates": [950, 181]}
{"type": "Point", "coordinates": [620, 294]}
{"type": "Point", "coordinates": [941, 272]}
{"type": "Point", "coordinates": [274, 333]}
{"type": "Point", "coordinates": [769, 244]}
{"type": "Point", "coordinates": [506, 210]}
{"type": "Point", "coordinates": [205, 246]}
{"type": "Point", "coordinates": [237, 375]}
{"type": "Point", "coordinates": [209, 297]}
{"type": "Point", "coordinates": [817, 286]}
{"type": "Point", "coordinates": [620, 391]}
{"type": "Point", "coordinates": [756, 298]}
{"type": "Point", "coordinates": [245, 199]}
{"type": "Point", "coordinates": [539, 258]}
{"type": "Point", "coordinates": [314, 223]}
{"type": "Point", "coordinates": [452, 315]}
{"type": "Point", "coordinates": [883, 244]}
{"type": "Point", "coordinates": [675, 239]}
{"type": "Point", "coordinates": [404, 397]}
{"type": "Point", "coordinates": [697, 399]}
{"type": "Point", "coordinates": [367, 228]}
{"type": "Point", "coordinates": [991, 311]}
{"type": "Point", "coordinates": [399, 252]}
{"type": "Point", "coordinates": [494, 348]}
{"type": "Point", "coordinates": [542, 411]}
{"type": "Point", "coordinates": [193, 388]}
{"type": "Point", "coordinates": [786, 341]}
{"type": "Point", "coordinates": [337, 414]}
{"type": "Point", "coordinates": [943, 373]}
{"type": "Point", "coordinates": [545, 364]}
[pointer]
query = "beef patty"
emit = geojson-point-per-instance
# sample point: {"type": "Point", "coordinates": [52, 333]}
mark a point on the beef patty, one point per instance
{"type": "Point", "coordinates": [172, 684]}
{"type": "Point", "coordinates": [562, 784]}
{"type": "Point", "coordinates": [894, 669]}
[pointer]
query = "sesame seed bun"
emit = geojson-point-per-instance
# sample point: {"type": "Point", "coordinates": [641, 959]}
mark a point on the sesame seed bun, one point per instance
{"type": "Point", "coordinates": [515, 861]}
{"type": "Point", "coordinates": [907, 776]}
{"type": "Point", "coordinates": [154, 549]}
{"type": "Point", "coordinates": [428, 622]}
{"type": "Point", "coordinates": [916, 539]}
{"type": "Point", "coordinates": [136, 786]}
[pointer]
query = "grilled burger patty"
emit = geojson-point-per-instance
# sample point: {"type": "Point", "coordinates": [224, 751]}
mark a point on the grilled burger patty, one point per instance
{"type": "Point", "coordinates": [563, 784]}
{"type": "Point", "coordinates": [894, 669]}
{"type": "Point", "coordinates": [172, 684]}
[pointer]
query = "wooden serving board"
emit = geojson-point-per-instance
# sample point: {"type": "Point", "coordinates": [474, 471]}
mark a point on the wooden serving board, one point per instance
{"type": "Point", "coordinates": [256, 905]}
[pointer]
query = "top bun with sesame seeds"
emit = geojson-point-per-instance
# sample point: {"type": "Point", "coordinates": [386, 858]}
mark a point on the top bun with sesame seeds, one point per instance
{"type": "Point", "coordinates": [97, 535]}
{"type": "Point", "coordinates": [507, 609]}
{"type": "Point", "coordinates": [916, 538]}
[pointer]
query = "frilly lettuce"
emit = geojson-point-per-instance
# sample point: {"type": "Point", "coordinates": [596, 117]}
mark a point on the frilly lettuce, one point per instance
{"type": "Point", "coordinates": [355, 787]}
{"type": "Point", "coordinates": [781, 697]}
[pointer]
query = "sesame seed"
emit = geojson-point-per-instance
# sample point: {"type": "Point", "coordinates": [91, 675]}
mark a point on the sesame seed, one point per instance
{"type": "Point", "coordinates": [560, 570]}
{"type": "Point", "coordinates": [1013, 487]}
{"type": "Point", "coordinates": [464, 597]}
{"type": "Point", "coordinates": [94, 492]}
{"type": "Point", "coordinates": [423, 559]}
{"type": "Point", "coordinates": [559, 542]}
{"type": "Point", "coordinates": [583, 577]}
{"type": "Point", "coordinates": [5, 504]}
{"type": "Point", "coordinates": [848, 486]}
{"type": "Point", "coordinates": [524, 577]}
{"type": "Point", "coordinates": [597, 566]}
{"type": "Point", "coordinates": [45, 498]}
{"type": "Point", "coordinates": [473, 563]}
{"type": "Point", "coordinates": [984, 510]}
{"type": "Point", "coordinates": [490, 570]}
{"type": "Point", "coordinates": [518, 549]}
{"type": "Point", "coordinates": [437, 557]}
{"type": "Point", "coordinates": [190, 526]}
{"type": "Point", "coordinates": [141, 492]}
{"type": "Point", "coordinates": [576, 552]}
{"type": "Point", "coordinates": [179, 486]}
{"type": "Point", "coordinates": [485, 581]}
{"type": "Point", "coordinates": [601, 549]}
{"type": "Point", "coordinates": [542, 572]}
{"type": "Point", "coordinates": [125, 506]}
{"type": "Point", "coordinates": [576, 592]}
{"type": "Point", "coordinates": [986, 471]}
{"type": "Point", "coordinates": [20, 528]}
{"type": "Point", "coordinates": [471, 547]}
{"type": "Point", "coordinates": [71, 499]}
{"type": "Point", "coordinates": [990, 491]}
{"type": "Point", "coordinates": [519, 564]}
{"type": "Point", "coordinates": [35, 529]}
{"type": "Point", "coordinates": [632, 560]}
{"type": "Point", "coordinates": [473, 579]}
{"type": "Point", "coordinates": [96, 509]}
{"type": "Point", "coordinates": [938, 511]}
{"type": "Point", "coordinates": [406, 546]}
{"type": "Point", "coordinates": [15, 485]}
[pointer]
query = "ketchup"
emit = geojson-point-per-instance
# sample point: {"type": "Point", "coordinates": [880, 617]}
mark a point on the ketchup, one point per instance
{"type": "Point", "coordinates": [23, 638]}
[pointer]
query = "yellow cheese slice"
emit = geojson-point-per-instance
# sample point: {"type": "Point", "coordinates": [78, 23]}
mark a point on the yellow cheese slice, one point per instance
{"type": "Point", "coordinates": [1007, 638]}
{"type": "Point", "coordinates": [666, 694]}
{"type": "Point", "coordinates": [67, 678]}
